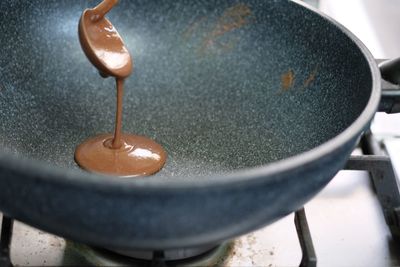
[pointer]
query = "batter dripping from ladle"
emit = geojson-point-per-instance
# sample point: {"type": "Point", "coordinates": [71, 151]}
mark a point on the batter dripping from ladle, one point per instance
{"type": "Point", "coordinates": [119, 154]}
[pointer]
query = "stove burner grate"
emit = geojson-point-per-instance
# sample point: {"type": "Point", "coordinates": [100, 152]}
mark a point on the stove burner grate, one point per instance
{"type": "Point", "coordinates": [159, 260]}
{"type": "Point", "coordinates": [5, 241]}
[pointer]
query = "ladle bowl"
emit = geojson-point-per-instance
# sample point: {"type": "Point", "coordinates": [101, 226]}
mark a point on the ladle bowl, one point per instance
{"type": "Point", "coordinates": [110, 56]}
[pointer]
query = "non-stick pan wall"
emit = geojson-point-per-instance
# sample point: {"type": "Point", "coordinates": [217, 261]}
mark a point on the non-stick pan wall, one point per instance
{"type": "Point", "coordinates": [222, 85]}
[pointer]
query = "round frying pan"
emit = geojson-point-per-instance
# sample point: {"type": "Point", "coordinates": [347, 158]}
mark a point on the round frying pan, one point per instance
{"type": "Point", "coordinates": [258, 104]}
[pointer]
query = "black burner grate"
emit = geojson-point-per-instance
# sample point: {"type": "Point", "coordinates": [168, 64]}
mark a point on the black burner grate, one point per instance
{"type": "Point", "coordinates": [309, 258]}
{"type": "Point", "coordinates": [5, 241]}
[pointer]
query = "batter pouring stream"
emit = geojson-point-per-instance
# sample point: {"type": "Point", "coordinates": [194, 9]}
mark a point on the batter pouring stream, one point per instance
{"type": "Point", "coordinates": [119, 154]}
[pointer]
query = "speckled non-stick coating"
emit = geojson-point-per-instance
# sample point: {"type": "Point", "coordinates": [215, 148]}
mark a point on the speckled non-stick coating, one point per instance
{"type": "Point", "coordinates": [207, 85]}
{"type": "Point", "coordinates": [214, 108]}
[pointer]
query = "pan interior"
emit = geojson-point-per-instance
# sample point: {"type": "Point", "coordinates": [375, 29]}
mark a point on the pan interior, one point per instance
{"type": "Point", "coordinates": [221, 85]}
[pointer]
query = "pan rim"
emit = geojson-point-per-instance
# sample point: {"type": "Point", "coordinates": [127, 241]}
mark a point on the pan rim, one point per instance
{"type": "Point", "coordinates": [235, 178]}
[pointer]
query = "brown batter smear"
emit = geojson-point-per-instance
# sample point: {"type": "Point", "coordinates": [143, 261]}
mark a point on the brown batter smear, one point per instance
{"type": "Point", "coordinates": [233, 18]}
{"type": "Point", "coordinates": [310, 78]}
{"type": "Point", "coordinates": [193, 27]}
{"type": "Point", "coordinates": [120, 154]}
{"type": "Point", "coordinates": [287, 80]}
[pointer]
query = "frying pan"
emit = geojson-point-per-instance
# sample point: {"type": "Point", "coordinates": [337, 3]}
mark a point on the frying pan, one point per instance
{"type": "Point", "coordinates": [258, 104]}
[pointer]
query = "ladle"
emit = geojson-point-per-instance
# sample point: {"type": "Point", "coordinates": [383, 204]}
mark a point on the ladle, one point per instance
{"type": "Point", "coordinates": [109, 55]}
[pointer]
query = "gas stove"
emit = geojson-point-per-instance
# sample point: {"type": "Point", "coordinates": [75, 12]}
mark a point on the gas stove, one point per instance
{"type": "Point", "coordinates": [354, 221]}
